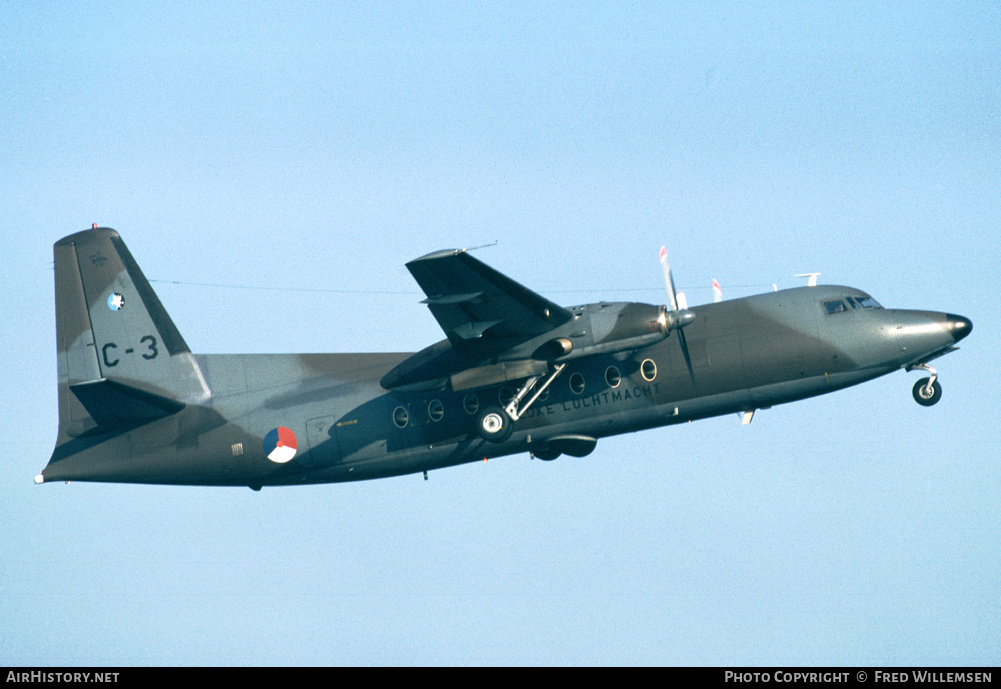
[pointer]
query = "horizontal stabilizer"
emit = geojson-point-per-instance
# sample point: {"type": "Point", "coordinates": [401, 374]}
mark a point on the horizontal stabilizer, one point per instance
{"type": "Point", "coordinates": [114, 404]}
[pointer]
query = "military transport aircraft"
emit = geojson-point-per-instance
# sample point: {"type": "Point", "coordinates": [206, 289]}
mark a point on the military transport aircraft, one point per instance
{"type": "Point", "coordinates": [516, 373]}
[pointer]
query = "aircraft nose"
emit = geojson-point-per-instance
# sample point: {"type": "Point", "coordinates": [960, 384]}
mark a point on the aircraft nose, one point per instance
{"type": "Point", "coordinates": [959, 326]}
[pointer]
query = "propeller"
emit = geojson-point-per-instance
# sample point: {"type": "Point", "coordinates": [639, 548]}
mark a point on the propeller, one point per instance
{"type": "Point", "coordinates": [679, 316]}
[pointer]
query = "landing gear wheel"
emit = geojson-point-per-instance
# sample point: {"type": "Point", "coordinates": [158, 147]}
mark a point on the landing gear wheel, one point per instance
{"type": "Point", "coordinates": [925, 394]}
{"type": "Point", "coordinates": [494, 424]}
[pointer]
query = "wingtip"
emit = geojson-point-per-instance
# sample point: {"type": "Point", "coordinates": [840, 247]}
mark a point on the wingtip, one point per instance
{"type": "Point", "coordinates": [443, 253]}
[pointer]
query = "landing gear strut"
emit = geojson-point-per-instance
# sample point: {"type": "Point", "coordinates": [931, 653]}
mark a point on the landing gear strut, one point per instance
{"type": "Point", "coordinates": [927, 391]}
{"type": "Point", "coordinates": [513, 409]}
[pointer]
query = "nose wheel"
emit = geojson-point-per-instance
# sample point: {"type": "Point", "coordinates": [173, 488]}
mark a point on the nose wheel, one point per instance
{"type": "Point", "coordinates": [927, 391]}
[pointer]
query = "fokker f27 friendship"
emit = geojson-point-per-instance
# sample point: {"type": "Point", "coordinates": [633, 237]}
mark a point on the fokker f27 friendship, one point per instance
{"type": "Point", "coordinates": [516, 373]}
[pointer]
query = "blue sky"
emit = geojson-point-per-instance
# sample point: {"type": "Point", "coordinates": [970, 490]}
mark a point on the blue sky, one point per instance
{"type": "Point", "coordinates": [272, 168]}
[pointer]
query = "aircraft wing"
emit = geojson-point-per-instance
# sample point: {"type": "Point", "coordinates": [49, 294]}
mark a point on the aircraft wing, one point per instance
{"type": "Point", "coordinates": [480, 309]}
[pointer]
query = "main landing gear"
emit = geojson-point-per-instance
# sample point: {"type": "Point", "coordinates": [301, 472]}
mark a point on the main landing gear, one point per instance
{"type": "Point", "coordinates": [496, 424]}
{"type": "Point", "coordinates": [927, 391]}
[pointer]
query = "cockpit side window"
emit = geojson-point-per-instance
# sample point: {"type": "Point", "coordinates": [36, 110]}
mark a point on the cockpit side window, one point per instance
{"type": "Point", "coordinates": [834, 306]}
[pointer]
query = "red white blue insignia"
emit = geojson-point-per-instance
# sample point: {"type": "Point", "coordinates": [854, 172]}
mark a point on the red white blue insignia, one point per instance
{"type": "Point", "coordinates": [280, 445]}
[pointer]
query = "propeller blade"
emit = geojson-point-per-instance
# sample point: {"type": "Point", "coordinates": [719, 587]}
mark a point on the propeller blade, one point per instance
{"type": "Point", "coordinates": [684, 350]}
{"type": "Point", "coordinates": [672, 299]}
{"type": "Point", "coordinates": [679, 317]}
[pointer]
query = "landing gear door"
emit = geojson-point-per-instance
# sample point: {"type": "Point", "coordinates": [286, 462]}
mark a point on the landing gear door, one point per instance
{"type": "Point", "coordinates": [323, 447]}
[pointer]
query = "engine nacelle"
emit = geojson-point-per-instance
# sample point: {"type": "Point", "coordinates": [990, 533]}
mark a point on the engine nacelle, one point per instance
{"type": "Point", "coordinates": [618, 327]}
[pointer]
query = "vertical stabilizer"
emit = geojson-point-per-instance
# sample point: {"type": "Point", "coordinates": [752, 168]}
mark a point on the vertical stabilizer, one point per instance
{"type": "Point", "coordinates": [122, 360]}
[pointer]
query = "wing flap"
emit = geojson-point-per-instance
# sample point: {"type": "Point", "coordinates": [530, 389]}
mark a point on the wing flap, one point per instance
{"type": "Point", "coordinates": [452, 298]}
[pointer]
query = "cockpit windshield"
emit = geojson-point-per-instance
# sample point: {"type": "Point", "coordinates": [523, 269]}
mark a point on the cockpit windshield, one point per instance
{"type": "Point", "coordinates": [865, 302]}
{"type": "Point", "coordinates": [838, 306]}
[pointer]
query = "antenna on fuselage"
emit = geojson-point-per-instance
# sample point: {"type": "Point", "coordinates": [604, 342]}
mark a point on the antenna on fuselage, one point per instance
{"type": "Point", "coordinates": [811, 278]}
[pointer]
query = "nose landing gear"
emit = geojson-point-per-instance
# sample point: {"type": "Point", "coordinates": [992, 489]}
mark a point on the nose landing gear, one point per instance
{"type": "Point", "coordinates": [927, 391]}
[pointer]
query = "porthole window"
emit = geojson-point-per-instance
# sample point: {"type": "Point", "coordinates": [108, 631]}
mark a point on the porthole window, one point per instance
{"type": "Point", "coordinates": [436, 410]}
{"type": "Point", "coordinates": [577, 383]}
{"type": "Point", "coordinates": [401, 417]}
{"type": "Point", "coordinates": [471, 403]}
{"type": "Point", "coordinates": [648, 369]}
{"type": "Point", "coordinates": [613, 377]}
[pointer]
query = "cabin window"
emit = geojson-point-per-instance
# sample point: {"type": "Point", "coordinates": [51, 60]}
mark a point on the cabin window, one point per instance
{"type": "Point", "coordinates": [401, 417]}
{"type": "Point", "coordinates": [577, 383]}
{"type": "Point", "coordinates": [835, 306]}
{"type": "Point", "coordinates": [648, 369]}
{"type": "Point", "coordinates": [505, 396]}
{"type": "Point", "coordinates": [436, 410]}
{"type": "Point", "coordinates": [471, 403]}
{"type": "Point", "coordinates": [613, 377]}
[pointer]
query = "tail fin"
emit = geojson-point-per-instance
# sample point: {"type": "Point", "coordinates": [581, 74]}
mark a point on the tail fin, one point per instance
{"type": "Point", "coordinates": [122, 360]}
